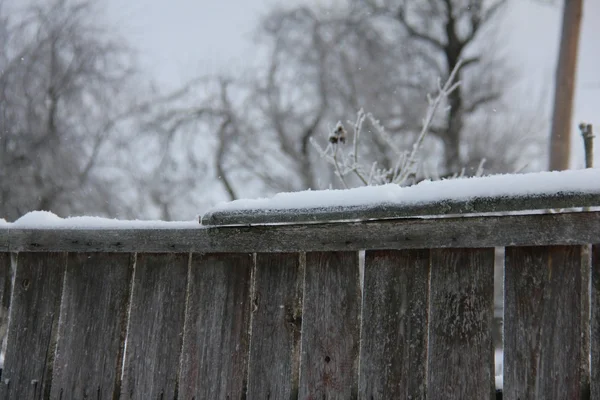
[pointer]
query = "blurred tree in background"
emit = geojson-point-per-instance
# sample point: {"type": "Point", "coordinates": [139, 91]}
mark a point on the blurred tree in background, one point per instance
{"type": "Point", "coordinates": [63, 84]}
{"type": "Point", "coordinates": [323, 64]}
{"type": "Point", "coordinates": [76, 139]}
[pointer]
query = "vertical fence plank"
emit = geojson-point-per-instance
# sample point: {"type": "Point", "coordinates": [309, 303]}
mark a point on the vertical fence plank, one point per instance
{"type": "Point", "coordinates": [276, 324]}
{"type": "Point", "coordinates": [461, 358]}
{"type": "Point", "coordinates": [595, 339]}
{"type": "Point", "coordinates": [393, 356]}
{"type": "Point", "coordinates": [92, 326]}
{"type": "Point", "coordinates": [542, 322]}
{"type": "Point", "coordinates": [215, 343]}
{"type": "Point", "coordinates": [34, 316]}
{"type": "Point", "coordinates": [330, 326]}
{"type": "Point", "coordinates": [155, 329]}
{"type": "Point", "coordinates": [5, 290]}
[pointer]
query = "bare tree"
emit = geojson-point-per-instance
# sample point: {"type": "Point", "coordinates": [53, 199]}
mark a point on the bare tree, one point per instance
{"type": "Point", "coordinates": [384, 56]}
{"type": "Point", "coordinates": [63, 80]}
{"type": "Point", "coordinates": [322, 64]}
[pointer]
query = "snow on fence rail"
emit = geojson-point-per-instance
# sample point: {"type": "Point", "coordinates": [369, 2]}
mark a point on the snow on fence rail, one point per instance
{"type": "Point", "coordinates": [282, 311]}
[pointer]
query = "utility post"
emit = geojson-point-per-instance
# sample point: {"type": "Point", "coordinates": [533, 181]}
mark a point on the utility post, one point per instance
{"type": "Point", "coordinates": [560, 136]}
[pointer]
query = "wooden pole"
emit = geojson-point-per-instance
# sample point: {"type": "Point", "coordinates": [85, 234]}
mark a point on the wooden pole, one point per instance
{"type": "Point", "coordinates": [560, 136]}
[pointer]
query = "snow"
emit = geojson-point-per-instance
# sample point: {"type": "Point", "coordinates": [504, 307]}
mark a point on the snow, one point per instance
{"type": "Point", "coordinates": [508, 185]}
{"type": "Point", "coordinates": [499, 361]}
{"type": "Point", "coordinates": [48, 220]}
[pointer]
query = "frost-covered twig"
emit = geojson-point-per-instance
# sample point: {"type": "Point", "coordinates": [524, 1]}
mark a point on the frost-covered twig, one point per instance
{"type": "Point", "coordinates": [405, 165]}
{"type": "Point", "coordinates": [443, 92]}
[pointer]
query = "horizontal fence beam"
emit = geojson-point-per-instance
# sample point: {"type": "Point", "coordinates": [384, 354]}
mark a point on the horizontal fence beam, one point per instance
{"type": "Point", "coordinates": [474, 205]}
{"type": "Point", "coordinates": [408, 233]}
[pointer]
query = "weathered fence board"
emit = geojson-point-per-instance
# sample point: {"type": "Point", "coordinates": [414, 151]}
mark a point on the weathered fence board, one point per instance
{"type": "Point", "coordinates": [407, 233]}
{"type": "Point", "coordinates": [393, 356]}
{"type": "Point", "coordinates": [461, 359]}
{"type": "Point", "coordinates": [215, 343]}
{"type": "Point", "coordinates": [330, 326]}
{"type": "Point", "coordinates": [92, 326]}
{"type": "Point", "coordinates": [276, 325]}
{"type": "Point", "coordinates": [155, 330]}
{"type": "Point", "coordinates": [34, 317]}
{"type": "Point", "coordinates": [542, 323]}
{"type": "Point", "coordinates": [389, 209]}
{"type": "Point", "coordinates": [4, 239]}
{"type": "Point", "coordinates": [595, 322]}
{"type": "Point", "coordinates": [5, 290]}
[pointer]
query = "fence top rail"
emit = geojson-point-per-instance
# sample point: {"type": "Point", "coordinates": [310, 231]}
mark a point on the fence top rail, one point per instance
{"type": "Point", "coordinates": [568, 228]}
{"type": "Point", "coordinates": [493, 194]}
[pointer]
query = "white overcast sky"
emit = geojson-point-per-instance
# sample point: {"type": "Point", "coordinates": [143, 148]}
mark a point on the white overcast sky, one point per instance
{"type": "Point", "coordinates": [180, 39]}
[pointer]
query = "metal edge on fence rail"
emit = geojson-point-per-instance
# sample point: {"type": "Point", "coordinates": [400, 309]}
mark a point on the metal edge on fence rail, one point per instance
{"type": "Point", "coordinates": [406, 233]}
{"type": "Point", "coordinates": [398, 209]}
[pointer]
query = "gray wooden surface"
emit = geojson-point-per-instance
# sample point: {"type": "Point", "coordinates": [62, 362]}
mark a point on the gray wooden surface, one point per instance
{"type": "Point", "coordinates": [412, 233]}
{"type": "Point", "coordinates": [393, 355]}
{"type": "Point", "coordinates": [92, 326]}
{"type": "Point", "coordinates": [155, 328]}
{"type": "Point", "coordinates": [276, 325]}
{"type": "Point", "coordinates": [542, 323]}
{"type": "Point", "coordinates": [461, 358]}
{"type": "Point", "coordinates": [399, 209]}
{"type": "Point", "coordinates": [4, 239]}
{"type": "Point", "coordinates": [5, 290]}
{"type": "Point", "coordinates": [330, 326]}
{"type": "Point", "coordinates": [215, 344]}
{"type": "Point", "coordinates": [595, 328]}
{"type": "Point", "coordinates": [34, 317]}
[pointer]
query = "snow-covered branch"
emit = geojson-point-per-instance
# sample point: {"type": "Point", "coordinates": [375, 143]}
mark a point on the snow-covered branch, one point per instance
{"type": "Point", "coordinates": [348, 161]}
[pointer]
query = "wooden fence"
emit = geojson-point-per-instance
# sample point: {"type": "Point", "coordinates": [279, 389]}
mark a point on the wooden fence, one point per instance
{"type": "Point", "coordinates": [288, 311]}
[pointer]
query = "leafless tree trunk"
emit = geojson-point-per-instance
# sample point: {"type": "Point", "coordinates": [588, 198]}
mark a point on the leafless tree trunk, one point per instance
{"type": "Point", "coordinates": [560, 136]}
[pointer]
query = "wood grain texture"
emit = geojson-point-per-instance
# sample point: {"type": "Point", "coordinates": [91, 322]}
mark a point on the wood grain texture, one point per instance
{"type": "Point", "coordinates": [276, 325]}
{"type": "Point", "coordinates": [92, 325]}
{"type": "Point", "coordinates": [155, 330]}
{"type": "Point", "coordinates": [461, 358]}
{"type": "Point", "coordinates": [446, 206]}
{"type": "Point", "coordinates": [5, 291]}
{"type": "Point", "coordinates": [408, 233]}
{"type": "Point", "coordinates": [4, 239]}
{"type": "Point", "coordinates": [393, 356]}
{"type": "Point", "coordinates": [34, 317]}
{"type": "Point", "coordinates": [542, 323]}
{"type": "Point", "coordinates": [330, 326]}
{"type": "Point", "coordinates": [595, 328]}
{"type": "Point", "coordinates": [215, 343]}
